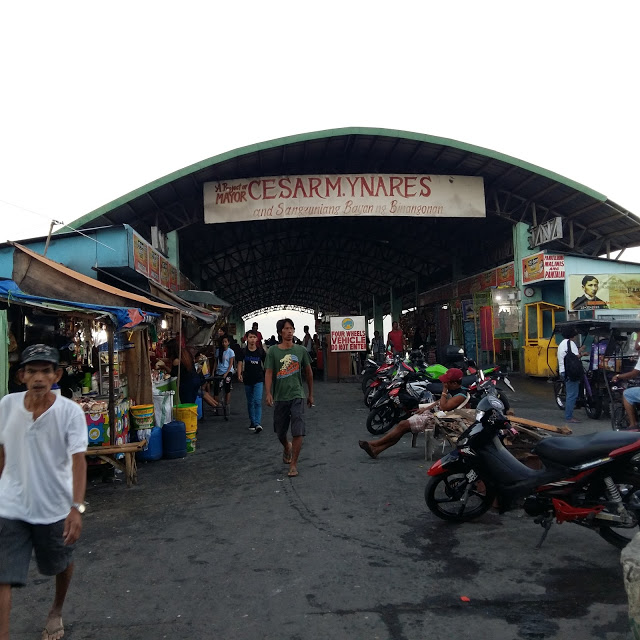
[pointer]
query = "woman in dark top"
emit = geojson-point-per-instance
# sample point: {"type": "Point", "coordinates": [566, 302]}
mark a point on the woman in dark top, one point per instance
{"type": "Point", "coordinates": [251, 372]}
{"type": "Point", "coordinates": [190, 380]}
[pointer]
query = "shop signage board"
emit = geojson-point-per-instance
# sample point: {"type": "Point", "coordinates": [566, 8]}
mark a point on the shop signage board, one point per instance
{"type": "Point", "coordinates": [554, 267]}
{"type": "Point", "coordinates": [173, 278]}
{"type": "Point", "coordinates": [348, 333]}
{"type": "Point", "coordinates": [322, 196]}
{"type": "Point", "coordinates": [506, 275]}
{"type": "Point", "coordinates": [594, 291]}
{"type": "Point", "coordinates": [140, 255]}
{"type": "Point", "coordinates": [533, 268]}
{"type": "Point", "coordinates": [154, 266]}
{"type": "Point", "coordinates": [541, 266]}
{"type": "Point", "coordinates": [165, 273]}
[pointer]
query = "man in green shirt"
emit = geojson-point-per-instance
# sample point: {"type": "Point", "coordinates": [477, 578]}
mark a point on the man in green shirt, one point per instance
{"type": "Point", "coordinates": [285, 364]}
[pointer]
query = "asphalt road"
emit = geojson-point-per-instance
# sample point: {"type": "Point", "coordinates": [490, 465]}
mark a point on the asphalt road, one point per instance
{"type": "Point", "coordinates": [222, 544]}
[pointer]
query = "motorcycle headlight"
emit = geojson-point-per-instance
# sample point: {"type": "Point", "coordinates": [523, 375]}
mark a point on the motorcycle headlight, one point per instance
{"type": "Point", "coordinates": [479, 415]}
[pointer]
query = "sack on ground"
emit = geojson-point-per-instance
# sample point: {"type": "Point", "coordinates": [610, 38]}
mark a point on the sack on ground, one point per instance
{"type": "Point", "coordinates": [572, 365]}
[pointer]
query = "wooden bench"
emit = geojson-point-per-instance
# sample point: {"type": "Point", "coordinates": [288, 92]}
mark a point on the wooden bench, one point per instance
{"type": "Point", "coordinates": [109, 453]}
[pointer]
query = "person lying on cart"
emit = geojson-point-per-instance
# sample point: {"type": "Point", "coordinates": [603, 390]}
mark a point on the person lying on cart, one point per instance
{"type": "Point", "coordinates": [453, 395]}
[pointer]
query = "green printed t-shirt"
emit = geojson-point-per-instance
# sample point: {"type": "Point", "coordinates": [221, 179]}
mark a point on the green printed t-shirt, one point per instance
{"type": "Point", "coordinates": [287, 365]}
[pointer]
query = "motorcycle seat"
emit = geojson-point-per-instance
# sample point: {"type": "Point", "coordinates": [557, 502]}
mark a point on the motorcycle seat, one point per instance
{"type": "Point", "coordinates": [574, 450]}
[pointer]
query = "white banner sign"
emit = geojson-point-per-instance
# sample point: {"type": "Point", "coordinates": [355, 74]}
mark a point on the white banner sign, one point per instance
{"type": "Point", "coordinates": [348, 333]}
{"type": "Point", "coordinates": [321, 196]}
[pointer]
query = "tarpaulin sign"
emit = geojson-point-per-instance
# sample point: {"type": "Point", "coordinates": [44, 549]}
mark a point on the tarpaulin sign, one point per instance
{"type": "Point", "coordinates": [348, 333]}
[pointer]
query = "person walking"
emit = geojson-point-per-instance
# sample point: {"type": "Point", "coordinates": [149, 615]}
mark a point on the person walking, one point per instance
{"type": "Point", "coordinates": [395, 339]}
{"type": "Point", "coordinates": [572, 387]}
{"type": "Point", "coordinates": [284, 365]}
{"type": "Point", "coordinates": [307, 341]}
{"type": "Point", "coordinates": [378, 348]}
{"type": "Point", "coordinates": [43, 439]}
{"type": "Point", "coordinates": [254, 328]}
{"type": "Point", "coordinates": [225, 358]}
{"type": "Point", "coordinates": [251, 373]}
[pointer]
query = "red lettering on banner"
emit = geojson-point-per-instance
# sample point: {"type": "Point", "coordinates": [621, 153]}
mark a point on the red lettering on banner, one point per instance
{"type": "Point", "coordinates": [334, 187]}
{"type": "Point", "coordinates": [268, 185]}
{"type": "Point", "coordinates": [395, 183]}
{"type": "Point", "coordinates": [409, 182]}
{"type": "Point", "coordinates": [251, 185]}
{"type": "Point", "coordinates": [314, 185]}
{"type": "Point", "coordinates": [426, 189]}
{"type": "Point", "coordinates": [299, 186]}
{"type": "Point", "coordinates": [381, 186]}
{"type": "Point", "coordinates": [284, 183]}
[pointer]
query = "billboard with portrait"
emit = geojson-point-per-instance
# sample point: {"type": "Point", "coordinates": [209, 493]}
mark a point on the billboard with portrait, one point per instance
{"type": "Point", "coordinates": [590, 291]}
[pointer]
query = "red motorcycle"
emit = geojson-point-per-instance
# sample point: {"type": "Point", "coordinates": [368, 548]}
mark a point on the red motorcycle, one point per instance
{"type": "Point", "coordinates": [592, 480]}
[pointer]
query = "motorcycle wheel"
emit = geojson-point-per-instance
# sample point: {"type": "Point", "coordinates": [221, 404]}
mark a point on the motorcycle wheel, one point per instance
{"type": "Point", "coordinates": [619, 537]}
{"type": "Point", "coordinates": [619, 420]}
{"type": "Point", "coordinates": [442, 495]}
{"type": "Point", "coordinates": [380, 420]}
{"type": "Point", "coordinates": [367, 378]}
{"type": "Point", "coordinates": [368, 395]}
{"type": "Point", "coordinates": [504, 399]}
{"type": "Point", "coordinates": [560, 394]}
{"type": "Point", "coordinates": [593, 406]}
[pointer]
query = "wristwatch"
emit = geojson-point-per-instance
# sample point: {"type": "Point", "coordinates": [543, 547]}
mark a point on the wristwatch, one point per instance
{"type": "Point", "coordinates": [80, 507]}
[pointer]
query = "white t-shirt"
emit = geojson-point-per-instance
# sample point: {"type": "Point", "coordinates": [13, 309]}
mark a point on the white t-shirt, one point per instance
{"type": "Point", "coordinates": [36, 485]}
{"type": "Point", "coordinates": [562, 352]}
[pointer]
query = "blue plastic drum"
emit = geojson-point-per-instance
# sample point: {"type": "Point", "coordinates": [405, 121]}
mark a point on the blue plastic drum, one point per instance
{"type": "Point", "coordinates": [174, 439]}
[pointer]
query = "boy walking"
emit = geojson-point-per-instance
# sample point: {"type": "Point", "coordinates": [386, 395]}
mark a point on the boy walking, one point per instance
{"type": "Point", "coordinates": [43, 438]}
{"type": "Point", "coordinates": [285, 364]}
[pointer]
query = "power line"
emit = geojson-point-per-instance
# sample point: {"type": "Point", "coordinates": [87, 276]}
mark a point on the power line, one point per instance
{"type": "Point", "coordinates": [56, 222]}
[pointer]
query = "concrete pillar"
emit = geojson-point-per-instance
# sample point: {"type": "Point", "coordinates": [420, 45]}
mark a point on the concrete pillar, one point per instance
{"type": "Point", "coordinates": [520, 250]}
{"type": "Point", "coordinates": [630, 559]}
{"type": "Point", "coordinates": [173, 248]}
{"type": "Point", "coordinates": [239, 322]}
{"type": "Point", "coordinates": [396, 305]}
{"type": "Point", "coordinates": [378, 316]}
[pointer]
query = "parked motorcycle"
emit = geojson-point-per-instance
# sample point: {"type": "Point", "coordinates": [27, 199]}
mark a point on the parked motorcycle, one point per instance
{"type": "Point", "coordinates": [381, 381]}
{"type": "Point", "coordinates": [398, 400]}
{"type": "Point", "coordinates": [592, 480]}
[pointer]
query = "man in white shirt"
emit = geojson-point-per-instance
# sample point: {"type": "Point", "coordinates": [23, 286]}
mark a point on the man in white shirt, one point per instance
{"type": "Point", "coordinates": [572, 387]}
{"type": "Point", "coordinates": [43, 438]}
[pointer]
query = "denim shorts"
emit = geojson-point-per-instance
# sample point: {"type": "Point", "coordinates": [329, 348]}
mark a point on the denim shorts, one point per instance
{"type": "Point", "coordinates": [287, 412]}
{"type": "Point", "coordinates": [632, 395]}
{"type": "Point", "coordinates": [17, 541]}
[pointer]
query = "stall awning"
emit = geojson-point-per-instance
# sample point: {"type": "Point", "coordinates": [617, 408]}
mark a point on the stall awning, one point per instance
{"type": "Point", "coordinates": [203, 297]}
{"type": "Point", "coordinates": [122, 317]}
{"type": "Point", "coordinates": [206, 316]}
{"type": "Point", "coordinates": [40, 276]}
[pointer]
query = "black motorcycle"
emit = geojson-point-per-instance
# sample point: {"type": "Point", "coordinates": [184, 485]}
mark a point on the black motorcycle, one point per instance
{"type": "Point", "coordinates": [592, 480]}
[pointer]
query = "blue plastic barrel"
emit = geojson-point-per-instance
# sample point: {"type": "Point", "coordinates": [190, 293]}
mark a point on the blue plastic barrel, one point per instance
{"type": "Point", "coordinates": [174, 439]}
{"type": "Point", "coordinates": [153, 450]}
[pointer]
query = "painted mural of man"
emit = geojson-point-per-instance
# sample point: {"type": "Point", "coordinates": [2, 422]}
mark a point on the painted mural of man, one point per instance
{"type": "Point", "coordinates": [589, 299]}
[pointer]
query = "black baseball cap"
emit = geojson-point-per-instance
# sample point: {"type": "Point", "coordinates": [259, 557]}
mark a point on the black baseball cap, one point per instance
{"type": "Point", "coordinates": [40, 353]}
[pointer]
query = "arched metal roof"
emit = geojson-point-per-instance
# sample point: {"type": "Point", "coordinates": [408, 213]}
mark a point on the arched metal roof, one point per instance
{"type": "Point", "coordinates": [341, 264]}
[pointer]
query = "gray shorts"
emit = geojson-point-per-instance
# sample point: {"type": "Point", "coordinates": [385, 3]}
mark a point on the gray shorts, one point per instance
{"type": "Point", "coordinates": [17, 541]}
{"type": "Point", "coordinates": [287, 412]}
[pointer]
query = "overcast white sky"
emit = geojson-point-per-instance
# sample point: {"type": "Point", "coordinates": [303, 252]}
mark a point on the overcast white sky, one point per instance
{"type": "Point", "coordinates": [101, 98]}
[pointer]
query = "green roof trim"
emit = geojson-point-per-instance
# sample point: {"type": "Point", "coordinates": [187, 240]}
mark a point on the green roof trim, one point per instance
{"type": "Point", "coordinates": [332, 133]}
